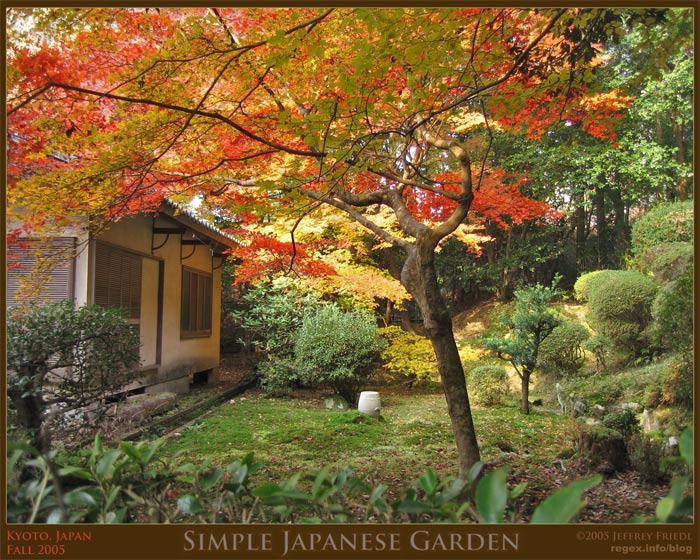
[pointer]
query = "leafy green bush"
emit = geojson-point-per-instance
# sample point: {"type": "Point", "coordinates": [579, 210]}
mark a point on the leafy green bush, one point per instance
{"type": "Point", "coordinates": [133, 484]}
{"type": "Point", "coordinates": [678, 380]}
{"type": "Point", "coordinates": [666, 223]}
{"type": "Point", "coordinates": [271, 314]}
{"type": "Point", "coordinates": [620, 308]}
{"type": "Point", "coordinates": [625, 422]}
{"type": "Point", "coordinates": [408, 354]}
{"type": "Point", "coordinates": [79, 355]}
{"type": "Point", "coordinates": [561, 353]}
{"type": "Point", "coordinates": [672, 311]}
{"type": "Point", "coordinates": [488, 385]}
{"type": "Point", "coordinates": [668, 261]}
{"type": "Point", "coordinates": [338, 348]}
{"type": "Point", "coordinates": [646, 457]}
{"type": "Point", "coordinates": [583, 284]}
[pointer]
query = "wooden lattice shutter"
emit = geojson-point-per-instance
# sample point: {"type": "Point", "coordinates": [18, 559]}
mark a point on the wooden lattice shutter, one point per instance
{"type": "Point", "coordinates": [40, 270]}
{"type": "Point", "coordinates": [118, 280]}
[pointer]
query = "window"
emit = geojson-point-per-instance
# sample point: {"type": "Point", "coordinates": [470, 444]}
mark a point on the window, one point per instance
{"type": "Point", "coordinates": [40, 270]}
{"type": "Point", "coordinates": [118, 281]}
{"type": "Point", "coordinates": [195, 318]}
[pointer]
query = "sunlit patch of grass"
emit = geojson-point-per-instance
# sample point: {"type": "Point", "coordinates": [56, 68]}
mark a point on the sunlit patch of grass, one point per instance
{"type": "Point", "coordinates": [414, 433]}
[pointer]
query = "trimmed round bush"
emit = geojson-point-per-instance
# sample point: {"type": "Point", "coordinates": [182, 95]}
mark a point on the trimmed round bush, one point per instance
{"type": "Point", "coordinates": [584, 283]}
{"type": "Point", "coordinates": [666, 223]}
{"type": "Point", "coordinates": [672, 311]}
{"type": "Point", "coordinates": [620, 308]}
{"type": "Point", "coordinates": [488, 385]}
{"type": "Point", "coordinates": [669, 261]}
{"type": "Point", "coordinates": [561, 353]}
{"type": "Point", "coordinates": [338, 348]}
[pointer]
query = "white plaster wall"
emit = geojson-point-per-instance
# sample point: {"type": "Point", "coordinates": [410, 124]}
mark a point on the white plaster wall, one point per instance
{"type": "Point", "coordinates": [180, 358]}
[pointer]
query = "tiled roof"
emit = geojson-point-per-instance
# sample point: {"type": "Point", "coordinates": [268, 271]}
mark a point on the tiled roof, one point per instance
{"type": "Point", "coordinates": [179, 209]}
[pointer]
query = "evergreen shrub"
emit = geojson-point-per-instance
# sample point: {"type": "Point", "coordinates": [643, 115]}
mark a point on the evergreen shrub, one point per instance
{"type": "Point", "coordinates": [666, 223]}
{"type": "Point", "coordinates": [620, 308]}
{"type": "Point", "coordinates": [561, 353]}
{"type": "Point", "coordinates": [488, 384]}
{"type": "Point", "coordinates": [584, 283]}
{"type": "Point", "coordinates": [338, 348]}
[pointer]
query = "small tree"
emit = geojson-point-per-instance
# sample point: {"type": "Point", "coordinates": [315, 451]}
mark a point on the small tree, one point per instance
{"type": "Point", "coordinates": [61, 359]}
{"type": "Point", "coordinates": [530, 322]}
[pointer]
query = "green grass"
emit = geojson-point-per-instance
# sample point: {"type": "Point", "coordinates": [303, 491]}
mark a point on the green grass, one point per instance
{"type": "Point", "coordinates": [291, 435]}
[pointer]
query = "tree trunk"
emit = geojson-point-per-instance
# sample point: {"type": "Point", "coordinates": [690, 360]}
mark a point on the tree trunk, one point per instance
{"type": "Point", "coordinates": [525, 393]}
{"type": "Point", "coordinates": [420, 279]}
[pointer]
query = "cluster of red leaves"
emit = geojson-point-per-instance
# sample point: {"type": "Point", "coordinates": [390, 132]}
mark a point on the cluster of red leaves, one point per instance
{"type": "Point", "coordinates": [497, 199]}
{"type": "Point", "coordinates": [264, 256]}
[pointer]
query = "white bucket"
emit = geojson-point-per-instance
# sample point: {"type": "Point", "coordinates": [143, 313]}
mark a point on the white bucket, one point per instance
{"type": "Point", "coordinates": [369, 403]}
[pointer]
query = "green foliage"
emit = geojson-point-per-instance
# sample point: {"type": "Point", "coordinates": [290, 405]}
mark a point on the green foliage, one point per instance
{"type": "Point", "coordinates": [408, 354]}
{"type": "Point", "coordinates": [672, 311]}
{"type": "Point", "coordinates": [646, 456]}
{"type": "Point", "coordinates": [488, 385]}
{"type": "Point", "coordinates": [565, 504]}
{"type": "Point", "coordinates": [677, 507]}
{"type": "Point", "coordinates": [625, 422]}
{"type": "Point", "coordinates": [271, 314]}
{"type": "Point", "coordinates": [337, 348]}
{"type": "Point", "coordinates": [677, 388]}
{"type": "Point", "coordinates": [529, 323]}
{"type": "Point", "coordinates": [83, 354]}
{"type": "Point", "coordinates": [665, 223]}
{"type": "Point", "coordinates": [620, 308]}
{"type": "Point", "coordinates": [561, 353]}
{"type": "Point", "coordinates": [584, 283]}
{"type": "Point", "coordinates": [133, 483]}
{"type": "Point", "coordinates": [668, 261]}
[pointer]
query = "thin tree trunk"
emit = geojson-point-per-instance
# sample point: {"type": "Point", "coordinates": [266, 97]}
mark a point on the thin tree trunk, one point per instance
{"type": "Point", "coordinates": [525, 393]}
{"type": "Point", "coordinates": [419, 278]}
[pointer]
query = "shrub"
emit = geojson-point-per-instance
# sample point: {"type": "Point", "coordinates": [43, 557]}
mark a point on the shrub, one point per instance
{"type": "Point", "coordinates": [337, 348]}
{"type": "Point", "coordinates": [668, 261]}
{"type": "Point", "coordinates": [672, 311]}
{"type": "Point", "coordinates": [620, 308]}
{"type": "Point", "coordinates": [271, 314]}
{"type": "Point", "coordinates": [488, 385]}
{"type": "Point", "coordinates": [600, 448]}
{"type": "Point", "coordinates": [561, 353]}
{"type": "Point", "coordinates": [583, 285]}
{"type": "Point", "coordinates": [625, 422]}
{"type": "Point", "coordinates": [666, 223]}
{"type": "Point", "coordinates": [408, 355]}
{"type": "Point", "coordinates": [79, 355]}
{"type": "Point", "coordinates": [646, 456]}
{"type": "Point", "coordinates": [678, 382]}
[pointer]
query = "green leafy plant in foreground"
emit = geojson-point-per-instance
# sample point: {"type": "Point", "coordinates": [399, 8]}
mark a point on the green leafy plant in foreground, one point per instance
{"type": "Point", "coordinates": [131, 483]}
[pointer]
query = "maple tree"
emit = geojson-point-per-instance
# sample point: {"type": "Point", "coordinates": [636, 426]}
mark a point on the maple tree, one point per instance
{"type": "Point", "coordinates": [271, 112]}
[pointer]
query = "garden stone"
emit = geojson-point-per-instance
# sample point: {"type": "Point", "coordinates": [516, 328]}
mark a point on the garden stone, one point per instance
{"type": "Point", "coordinates": [138, 408]}
{"type": "Point", "coordinates": [598, 410]}
{"type": "Point", "coordinates": [579, 408]}
{"type": "Point", "coordinates": [421, 422]}
{"type": "Point", "coordinates": [633, 406]}
{"type": "Point", "coordinates": [648, 422]}
{"type": "Point", "coordinates": [672, 446]}
{"type": "Point", "coordinates": [336, 402]}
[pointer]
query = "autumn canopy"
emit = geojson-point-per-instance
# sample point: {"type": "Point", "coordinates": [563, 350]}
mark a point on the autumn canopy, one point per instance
{"type": "Point", "coordinates": [274, 114]}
